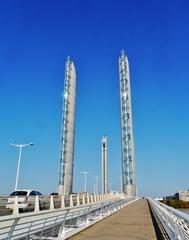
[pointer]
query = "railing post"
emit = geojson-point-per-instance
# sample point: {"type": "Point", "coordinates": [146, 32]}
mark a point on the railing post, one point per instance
{"type": "Point", "coordinates": [51, 203]}
{"type": "Point", "coordinates": [87, 220]}
{"type": "Point", "coordinates": [53, 229]}
{"type": "Point", "coordinates": [36, 204]}
{"type": "Point", "coordinates": [83, 199]}
{"type": "Point", "coordinates": [109, 209]}
{"type": "Point", "coordinates": [101, 211]}
{"type": "Point", "coordinates": [114, 207]}
{"type": "Point", "coordinates": [41, 230]}
{"type": "Point", "coordinates": [12, 228]}
{"type": "Point", "coordinates": [78, 201]}
{"type": "Point", "coordinates": [88, 200]}
{"type": "Point", "coordinates": [118, 205]}
{"type": "Point", "coordinates": [97, 197]}
{"type": "Point", "coordinates": [62, 202]}
{"type": "Point", "coordinates": [62, 232]}
{"type": "Point", "coordinates": [16, 208]}
{"type": "Point", "coordinates": [91, 198]}
{"type": "Point", "coordinates": [71, 200]}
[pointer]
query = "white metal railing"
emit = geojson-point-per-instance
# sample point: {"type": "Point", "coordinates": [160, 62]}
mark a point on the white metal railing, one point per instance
{"type": "Point", "coordinates": [45, 202]}
{"type": "Point", "coordinates": [176, 223]}
{"type": "Point", "coordinates": [57, 223]}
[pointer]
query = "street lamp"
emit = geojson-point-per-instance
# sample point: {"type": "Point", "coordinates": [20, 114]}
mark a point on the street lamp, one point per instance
{"type": "Point", "coordinates": [110, 186]}
{"type": "Point", "coordinates": [94, 188]}
{"type": "Point", "coordinates": [85, 176]}
{"type": "Point", "coordinates": [19, 158]}
{"type": "Point", "coordinates": [96, 184]}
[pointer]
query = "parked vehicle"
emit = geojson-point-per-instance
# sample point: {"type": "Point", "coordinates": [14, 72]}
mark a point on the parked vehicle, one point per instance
{"type": "Point", "coordinates": [26, 198]}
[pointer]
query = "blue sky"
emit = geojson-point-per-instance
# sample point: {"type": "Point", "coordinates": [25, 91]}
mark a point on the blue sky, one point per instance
{"type": "Point", "coordinates": [37, 36]}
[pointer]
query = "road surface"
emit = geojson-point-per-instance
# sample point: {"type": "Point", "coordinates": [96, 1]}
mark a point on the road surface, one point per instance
{"type": "Point", "coordinates": [133, 222]}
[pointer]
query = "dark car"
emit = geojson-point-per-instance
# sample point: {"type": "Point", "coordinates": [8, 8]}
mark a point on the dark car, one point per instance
{"type": "Point", "coordinates": [53, 194]}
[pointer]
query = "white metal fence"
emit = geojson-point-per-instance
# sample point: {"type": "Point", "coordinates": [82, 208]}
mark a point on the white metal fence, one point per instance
{"type": "Point", "coordinates": [46, 202]}
{"type": "Point", "coordinates": [176, 223]}
{"type": "Point", "coordinates": [57, 223]}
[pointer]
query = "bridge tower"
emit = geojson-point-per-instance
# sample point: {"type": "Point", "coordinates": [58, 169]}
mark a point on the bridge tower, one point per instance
{"type": "Point", "coordinates": [104, 164]}
{"type": "Point", "coordinates": [68, 129]}
{"type": "Point", "coordinates": [127, 141]}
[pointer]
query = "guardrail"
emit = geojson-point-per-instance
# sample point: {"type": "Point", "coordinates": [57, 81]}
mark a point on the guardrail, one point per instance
{"type": "Point", "coordinates": [175, 223]}
{"type": "Point", "coordinates": [57, 223]}
{"type": "Point", "coordinates": [45, 202]}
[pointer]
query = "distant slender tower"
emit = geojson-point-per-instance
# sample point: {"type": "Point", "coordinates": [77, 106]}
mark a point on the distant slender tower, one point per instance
{"type": "Point", "coordinates": [128, 158]}
{"type": "Point", "coordinates": [68, 126]}
{"type": "Point", "coordinates": [104, 164]}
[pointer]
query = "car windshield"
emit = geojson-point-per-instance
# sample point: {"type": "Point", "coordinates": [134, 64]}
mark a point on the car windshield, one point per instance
{"type": "Point", "coordinates": [38, 193]}
{"type": "Point", "coordinates": [19, 193]}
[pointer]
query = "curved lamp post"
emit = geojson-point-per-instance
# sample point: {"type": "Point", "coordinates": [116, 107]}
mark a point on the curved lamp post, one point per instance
{"type": "Point", "coordinates": [85, 176]}
{"type": "Point", "coordinates": [20, 146]}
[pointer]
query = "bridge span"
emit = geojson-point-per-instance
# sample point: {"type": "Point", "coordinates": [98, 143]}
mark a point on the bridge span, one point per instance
{"type": "Point", "coordinates": [97, 217]}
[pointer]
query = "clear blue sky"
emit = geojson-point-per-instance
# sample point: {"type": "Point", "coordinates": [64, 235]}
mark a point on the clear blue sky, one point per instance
{"type": "Point", "coordinates": [35, 39]}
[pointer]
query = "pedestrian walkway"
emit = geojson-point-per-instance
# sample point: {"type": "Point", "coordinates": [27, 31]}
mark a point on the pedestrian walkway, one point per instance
{"type": "Point", "coordinates": [133, 222]}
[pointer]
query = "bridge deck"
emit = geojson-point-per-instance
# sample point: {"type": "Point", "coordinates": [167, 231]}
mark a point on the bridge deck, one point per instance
{"type": "Point", "coordinates": [132, 222]}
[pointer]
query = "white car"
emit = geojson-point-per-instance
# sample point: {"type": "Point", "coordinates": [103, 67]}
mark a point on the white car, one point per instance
{"type": "Point", "coordinates": [26, 198]}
